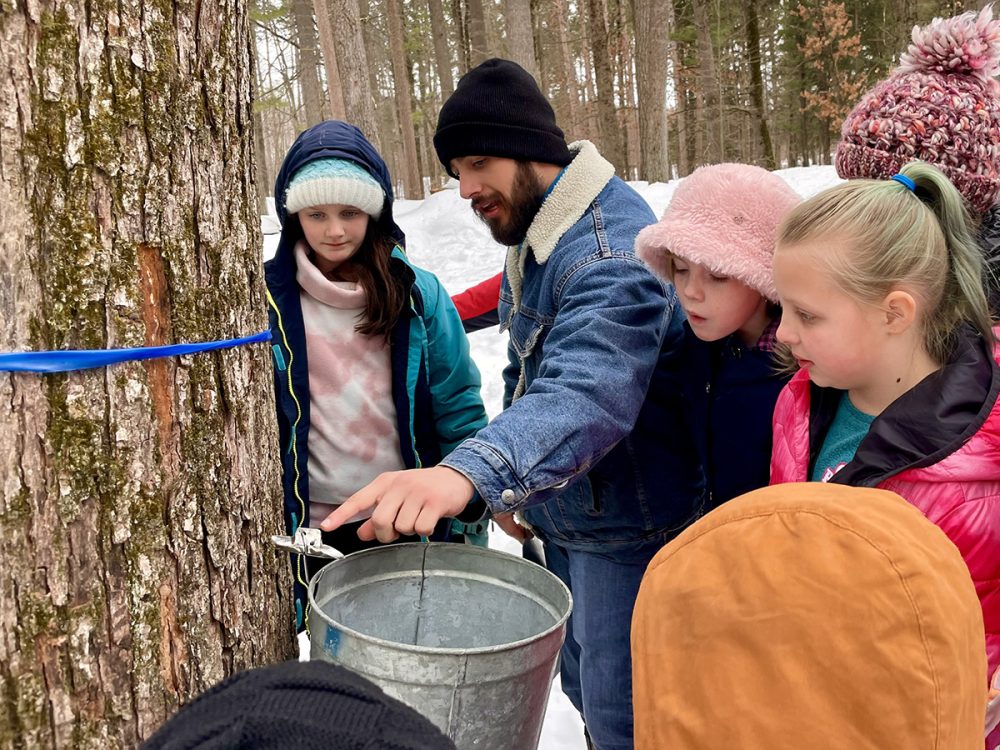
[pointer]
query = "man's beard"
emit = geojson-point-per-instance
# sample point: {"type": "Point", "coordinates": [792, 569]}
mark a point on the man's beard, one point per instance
{"type": "Point", "coordinates": [527, 195]}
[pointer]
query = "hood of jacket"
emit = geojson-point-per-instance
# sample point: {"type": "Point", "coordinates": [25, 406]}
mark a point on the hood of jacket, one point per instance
{"type": "Point", "coordinates": [808, 615]}
{"type": "Point", "coordinates": [332, 139]}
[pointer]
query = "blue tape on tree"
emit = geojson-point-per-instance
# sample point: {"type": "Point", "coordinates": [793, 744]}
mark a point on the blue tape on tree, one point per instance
{"type": "Point", "coordinates": [84, 359]}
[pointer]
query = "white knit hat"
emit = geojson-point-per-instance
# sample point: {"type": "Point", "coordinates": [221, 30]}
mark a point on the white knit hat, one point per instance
{"type": "Point", "coordinates": [334, 181]}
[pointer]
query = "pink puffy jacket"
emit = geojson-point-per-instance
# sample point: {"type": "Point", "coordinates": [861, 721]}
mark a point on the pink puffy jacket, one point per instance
{"type": "Point", "coordinates": [938, 446]}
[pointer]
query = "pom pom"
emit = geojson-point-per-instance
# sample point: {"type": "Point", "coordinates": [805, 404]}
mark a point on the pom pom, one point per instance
{"type": "Point", "coordinates": [968, 44]}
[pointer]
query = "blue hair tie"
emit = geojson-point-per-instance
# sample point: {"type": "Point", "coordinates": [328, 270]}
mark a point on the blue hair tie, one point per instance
{"type": "Point", "coordinates": [902, 179]}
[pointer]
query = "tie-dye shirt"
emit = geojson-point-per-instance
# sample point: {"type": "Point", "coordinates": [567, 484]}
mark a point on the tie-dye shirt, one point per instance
{"type": "Point", "coordinates": [353, 436]}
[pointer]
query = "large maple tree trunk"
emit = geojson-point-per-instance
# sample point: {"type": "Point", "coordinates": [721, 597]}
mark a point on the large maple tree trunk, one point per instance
{"type": "Point", "coordinates": [135, 501]}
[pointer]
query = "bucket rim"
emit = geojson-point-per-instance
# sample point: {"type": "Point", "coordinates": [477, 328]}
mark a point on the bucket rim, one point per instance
{"type": "Point", "coordinates": [437, 650]}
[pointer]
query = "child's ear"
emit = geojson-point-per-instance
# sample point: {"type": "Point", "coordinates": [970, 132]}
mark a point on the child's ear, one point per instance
{"type": "Point", "coordinates": [900, 310]}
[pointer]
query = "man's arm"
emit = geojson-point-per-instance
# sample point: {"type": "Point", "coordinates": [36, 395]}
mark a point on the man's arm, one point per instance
{"type": "Point", "coordinates": [598, 360]}
{"type": "Point", "coordinates": [599, 357]}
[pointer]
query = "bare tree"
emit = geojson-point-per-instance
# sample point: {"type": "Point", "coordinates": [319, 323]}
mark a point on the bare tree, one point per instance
{"type": "Point", "coordinates": [137, 500]}
{"type": "Point", "coordinates": [479, 47]}
{"type": "Point", "coordinates": [682, 96]}
{"type": "Point", "coordinates": [335, 87]}
{"type": "Point", "coordinates": [404, 101]}
{"type": "Point", "coordinates": [442, 54]}
{"type": "Point", "coordinates": [520, 35]}
{"type": "Point", "coordinates": [460, 18]}
{"type": "Point", "coordinates": [709, 123]}
{"type": "Point", "coordinates": [757, 83]}
{"type": "Point", "coordinates": [352, 63]}
{"type": "Point", "coordinates": [307, 60]}
{"type": "Point", "coordinates": [651, 78]}
{"type": "Point", "coordinates": [611, 141]}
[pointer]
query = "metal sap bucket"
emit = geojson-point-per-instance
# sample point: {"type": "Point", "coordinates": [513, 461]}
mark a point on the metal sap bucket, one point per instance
{"type": "Point", "coordinates": [467, 636]}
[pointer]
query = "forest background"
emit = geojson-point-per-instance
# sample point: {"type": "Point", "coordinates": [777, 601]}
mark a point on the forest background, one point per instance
{"type": "Point", "coordinates": [661, 86]}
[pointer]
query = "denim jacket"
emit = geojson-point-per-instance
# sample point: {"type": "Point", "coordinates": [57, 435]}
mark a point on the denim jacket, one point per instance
{"type": "Point", "coordinates": [591, 444]}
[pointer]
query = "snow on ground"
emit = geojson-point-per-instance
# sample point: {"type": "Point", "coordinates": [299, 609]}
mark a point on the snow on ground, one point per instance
{"type": "Point", "coordinates": [445, 237]}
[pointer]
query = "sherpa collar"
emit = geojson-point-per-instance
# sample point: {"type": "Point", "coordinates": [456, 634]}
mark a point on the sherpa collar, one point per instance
{"type": "Point", "coordinates": [584, 179]}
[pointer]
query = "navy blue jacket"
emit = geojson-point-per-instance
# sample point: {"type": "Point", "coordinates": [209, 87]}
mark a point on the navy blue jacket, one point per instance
{"type": "Point", "coordinates": [435, 385]}
{"type": "Point", "coordinates": [729, 395]}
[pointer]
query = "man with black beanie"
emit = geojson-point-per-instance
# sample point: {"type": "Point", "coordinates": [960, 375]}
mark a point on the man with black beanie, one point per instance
{"type": "Point", "coordinates": [591, 447]}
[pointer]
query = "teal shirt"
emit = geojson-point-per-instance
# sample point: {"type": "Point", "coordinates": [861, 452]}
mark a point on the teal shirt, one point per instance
{"type": "Point", "coordinates": [847, 430]}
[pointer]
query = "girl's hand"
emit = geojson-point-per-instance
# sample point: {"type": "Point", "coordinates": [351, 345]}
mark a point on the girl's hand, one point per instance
{"type": "Point", "coordinates": [405, 503]}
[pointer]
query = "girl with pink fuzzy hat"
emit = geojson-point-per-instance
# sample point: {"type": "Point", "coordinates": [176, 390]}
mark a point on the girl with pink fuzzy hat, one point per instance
{"type": "Point", "coordinates": [715, 243]}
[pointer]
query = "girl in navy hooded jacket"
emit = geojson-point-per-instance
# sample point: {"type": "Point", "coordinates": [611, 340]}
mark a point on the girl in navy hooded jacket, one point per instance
{"type": "Point", "coordinates": [715, 243]}
{"type": "Point", "coordinates": [372, 367]}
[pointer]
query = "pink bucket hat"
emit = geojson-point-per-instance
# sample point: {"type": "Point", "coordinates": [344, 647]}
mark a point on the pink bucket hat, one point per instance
{"type": "Point", "coordinates": [941, 105]}
{"type": "Point", "coordinates": [724, 217]}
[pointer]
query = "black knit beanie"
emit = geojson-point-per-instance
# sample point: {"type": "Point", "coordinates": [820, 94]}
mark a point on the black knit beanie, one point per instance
{"type": "Point", "coordinates": [498, 110]}
{"type": "Point", "coordinates": [310, 705]}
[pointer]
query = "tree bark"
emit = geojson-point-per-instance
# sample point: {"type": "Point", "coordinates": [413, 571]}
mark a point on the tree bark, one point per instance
{"type": "Point", "coordinates": [335, 87]}
{"type": "Point", "coordinates": [611, 140]}
{"type": "Point", "coordinates": [307, 61]}
{"type": "Point", "coordinates": [757, 84]}
{"type": "Point", "coordinates": [682, 112]}
{"type": "Point", "coordinates": [137, 500]}
{"type": "Point", "coordinates": [651, 73]}
{"type": "Point", "coordinates": [708, 86]}
{"type": "Point", "coordinates": [352, 63]}
{"type": "Point", "coordinates": [520, 35]}
{"type": "Point", "coordinates": [478, 44]}
{"type": "Point", "coordinates": [558, 68]}
{"type": "Point", "coordinates": [460, 18]}
{"type": "Point", "coordinates": [442, 55]}
{"type": "Point", "coordinates": [404, 101]}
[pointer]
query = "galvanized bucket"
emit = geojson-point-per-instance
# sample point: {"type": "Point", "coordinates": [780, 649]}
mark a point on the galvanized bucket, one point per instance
{"type": "Point", "coordinates": [469, 637]}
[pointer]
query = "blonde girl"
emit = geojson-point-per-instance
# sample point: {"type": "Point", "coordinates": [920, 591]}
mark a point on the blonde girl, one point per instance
{"type": "Point", "coordinates": [881, 284]}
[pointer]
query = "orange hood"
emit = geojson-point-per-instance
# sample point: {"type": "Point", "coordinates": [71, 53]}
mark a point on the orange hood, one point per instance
{"type": "Point", "coordinates": [809, 615]}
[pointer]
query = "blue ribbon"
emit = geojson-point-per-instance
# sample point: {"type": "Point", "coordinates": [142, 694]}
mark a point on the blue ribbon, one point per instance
{"type": "Point", "coordinates": [83, 359]}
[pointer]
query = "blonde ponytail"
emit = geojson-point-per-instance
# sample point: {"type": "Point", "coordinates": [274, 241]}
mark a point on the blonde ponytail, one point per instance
{"type": "Point", "coordinates": [964, 295]}
{"type": "Point", "coordinates": [922, 239]}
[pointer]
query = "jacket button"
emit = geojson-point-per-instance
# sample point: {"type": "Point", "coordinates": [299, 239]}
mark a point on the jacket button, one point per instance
{"type": "Point", "coordinates": [508, 497]}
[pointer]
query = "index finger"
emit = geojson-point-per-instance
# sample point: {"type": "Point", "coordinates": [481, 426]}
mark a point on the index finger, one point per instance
{"type": "Point", "coordinates": [365, 498]}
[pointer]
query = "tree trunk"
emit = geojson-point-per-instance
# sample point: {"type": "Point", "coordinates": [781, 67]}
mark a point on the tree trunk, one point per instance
{"type": "Point", "coordinates": [478, 44]}
{"type": "Point", "coordinates": [492, 26]}
{"type": "Point", "coordinates": [682, 113]}
{"type": "Point", "coordinates": [404, 101]}
{"type": "Point", "coordinates": [442, 55]}
{"type": "Point", "coordinates": [264, 186]}
{"type": "Point", "coordinates": [520, 35]}
{"type": "Point", "coordinates": [559, 67]}
{"type": "Point", "coordinates": [708, 86]}
{"type": "Point", "coordinates": [137, 500]}
{"type": "Point", "coordinates": [307, 61]}
{"type": "Point", "coordinates": [651, 78]}
{"type": "Point", "coordinates": [352, 63]}
{"type": "Point", "coordinates": [333, 83]}
{"type": "Point", "coordinates": [757, 84]}
{"type": "Point", "coordinates": [611, 140]}
{"type": "Point", "coordinates": [460, 18]}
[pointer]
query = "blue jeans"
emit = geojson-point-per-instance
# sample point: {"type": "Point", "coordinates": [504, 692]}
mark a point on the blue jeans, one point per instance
{"type": "Point", "coordinates": [596, 659]}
